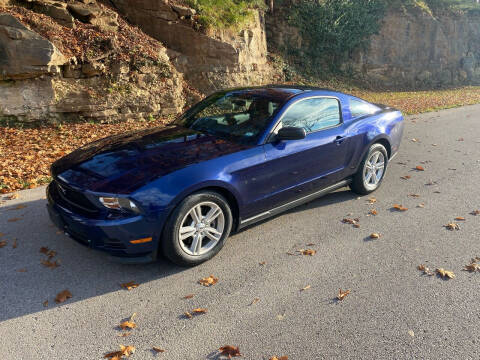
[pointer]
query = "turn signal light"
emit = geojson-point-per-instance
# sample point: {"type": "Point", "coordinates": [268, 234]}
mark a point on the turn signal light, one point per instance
{"type": "Point", "coordinates": [141, 241]}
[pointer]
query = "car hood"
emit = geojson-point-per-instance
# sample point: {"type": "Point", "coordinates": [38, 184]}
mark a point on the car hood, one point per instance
{"type": "Point", "coordinates": [120, 164]}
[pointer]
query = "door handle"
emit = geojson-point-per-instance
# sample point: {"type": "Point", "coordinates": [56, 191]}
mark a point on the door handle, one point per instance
{"type": "Point", "coordinates": [339, 139]}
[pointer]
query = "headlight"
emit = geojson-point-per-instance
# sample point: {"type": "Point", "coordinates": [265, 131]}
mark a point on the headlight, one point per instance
{"type": "Point", "coordinates": [118, 203]}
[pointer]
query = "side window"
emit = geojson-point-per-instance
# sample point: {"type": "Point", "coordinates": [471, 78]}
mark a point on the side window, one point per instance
{"type": "Point", "coordinates": [313, 114]}
{"type": "Point", "coordinates": [359, 108]}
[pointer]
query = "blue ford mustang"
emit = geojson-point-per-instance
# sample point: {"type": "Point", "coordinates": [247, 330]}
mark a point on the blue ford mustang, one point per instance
{"type": "Point", "coordinates": [235, 158]}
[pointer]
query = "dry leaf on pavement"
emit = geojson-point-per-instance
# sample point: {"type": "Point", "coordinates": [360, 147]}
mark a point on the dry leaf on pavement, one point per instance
{"type": "Point", "coordinates": [306, 288]}
{"type": "Point", "coordinates": [63, 296]}
{"type": "Point", "coordinates": [230, 351]}
{"type": "Point", "coordinates": [130, 285]}
{"type": "Point", "coordinates": [279, 358]}
{"type": "Point", "coordinates": [419, 168]}
{"type": "Point", "coordinates": [452, 226]}
{"type": "Point", "coordinates": [50, 264]}
{"type": "Point", "coordinates": [445, 273]}
{"type": "Point", "coordinates": [342, 294]}
{"type": "Point", "coordinates": [3, 243]}
{"type": "Point", "coordinates": [208, 281]}
{"type": "Point", "coordinates": [157, 349]}
{"type": "Point", "coordinates": [375, 236]}
{"type": "Point", "coordinates": [117, 355]}
{"type": "Point", "coordinates": [399, 207]}
{"type": "Point", "coordinates": [475, 212]}
{"type": "Point", "coordinates": [425, 270]}
{"type": "Point", "coordinates": [406, 177]}
{"type": "Point", "coordinates": [189, 296]}
{"type": "Point", "coordinates": [308, 252]}
{"type": "Point", "coordinates": [460, 218]}
{"type": "Point", "coordinates": [373, 212]}
{"type": "Point", "coordinates": [199, 311]}
{"type": "Point", "coordinates": [372, 200]}
{"type": "Point", "coordinates": [14, 219]}
{"type": "Point", "coordinates": [128, 324]}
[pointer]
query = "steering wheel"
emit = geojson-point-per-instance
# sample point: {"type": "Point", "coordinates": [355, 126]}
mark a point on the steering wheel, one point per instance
{"type": "Point", "coordinates": [230, 120]}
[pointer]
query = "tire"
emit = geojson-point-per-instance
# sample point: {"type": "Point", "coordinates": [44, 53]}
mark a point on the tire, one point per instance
{"type": "Point", "coordinates": [362, 184]}
{"type": "Point", "coordinates": [189, 241]}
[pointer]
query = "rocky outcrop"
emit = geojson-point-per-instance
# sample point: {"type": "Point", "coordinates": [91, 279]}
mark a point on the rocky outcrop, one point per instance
{"type": "Point", "coordinates": [219, 59]}
{"type": "Point", "coordinates": [412, 50]}
{"type": "Point", "coordinates": [39, 84]}
{"type": "Point", "coordinates": [25, 54]}
{"type": "Point", "coordinates": [418, 50]}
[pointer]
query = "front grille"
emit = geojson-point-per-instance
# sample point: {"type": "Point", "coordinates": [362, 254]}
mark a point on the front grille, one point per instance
{"type": "Point", "coordinates": [74, 200]}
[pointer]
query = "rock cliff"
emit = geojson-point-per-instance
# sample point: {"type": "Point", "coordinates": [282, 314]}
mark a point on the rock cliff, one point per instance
{"type": "Point", "coordinates": [413, 49]}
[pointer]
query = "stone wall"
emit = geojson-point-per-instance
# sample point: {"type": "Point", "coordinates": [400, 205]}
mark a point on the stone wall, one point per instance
{"type": "Point", "coordinates": [219, 59]}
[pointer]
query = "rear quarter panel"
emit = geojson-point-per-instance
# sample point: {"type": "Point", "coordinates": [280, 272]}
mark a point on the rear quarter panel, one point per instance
{"type": "Point", "coordinates": [387, 126]}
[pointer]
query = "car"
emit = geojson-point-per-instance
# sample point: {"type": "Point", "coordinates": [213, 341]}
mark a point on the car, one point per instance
{"type": "Point", "coordinates": [235, 158]}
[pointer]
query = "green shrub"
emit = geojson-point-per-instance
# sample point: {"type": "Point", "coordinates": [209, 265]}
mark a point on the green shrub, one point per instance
{"type": "Point", "coordinates": [334, 29]}
{"type": "Point", "coordinates": [225, 13]}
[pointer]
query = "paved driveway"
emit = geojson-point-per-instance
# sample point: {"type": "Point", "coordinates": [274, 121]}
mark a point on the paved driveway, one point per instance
{"type": "Point", "coordinates": [392, 312]}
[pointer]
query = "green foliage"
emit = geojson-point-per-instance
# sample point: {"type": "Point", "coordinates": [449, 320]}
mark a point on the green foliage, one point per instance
{"type": "Point", "coordinates": [224, 13]}
{"type": "Point", "coordinates": [334, 29]}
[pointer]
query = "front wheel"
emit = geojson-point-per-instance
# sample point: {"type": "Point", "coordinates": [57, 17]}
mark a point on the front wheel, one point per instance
{"type": "Point", "coordinates": [371, 171]}
{"type": "Point", "coordinates": [197, 229]}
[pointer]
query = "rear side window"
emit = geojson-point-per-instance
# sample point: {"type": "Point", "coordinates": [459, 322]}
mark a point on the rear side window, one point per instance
{"type": "Point", "coordinates": [360, 108]}
{"type": "Point", "coordinates": [313, 114]}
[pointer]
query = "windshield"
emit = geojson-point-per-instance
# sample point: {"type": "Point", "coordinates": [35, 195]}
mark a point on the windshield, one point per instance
{"type": "Point", "coordinates": [242, 115]}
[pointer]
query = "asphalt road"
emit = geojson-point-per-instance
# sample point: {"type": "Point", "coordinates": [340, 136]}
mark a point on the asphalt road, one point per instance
{"type": "Point", "coordinates": [392, 312]}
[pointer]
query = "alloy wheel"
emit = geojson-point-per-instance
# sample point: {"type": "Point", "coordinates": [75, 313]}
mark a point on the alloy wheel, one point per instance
{"type": "Point", "coordinates": [201, 228]}
{"type": "Point", "coordinates": [374, 169]}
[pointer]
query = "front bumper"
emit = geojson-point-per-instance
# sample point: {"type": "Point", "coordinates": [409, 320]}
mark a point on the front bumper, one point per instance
{"type": "Point", "coordinates": [112, 236]}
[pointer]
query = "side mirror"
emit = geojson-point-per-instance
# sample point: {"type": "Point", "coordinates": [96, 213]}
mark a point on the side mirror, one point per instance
{"type": "Point", "coordinates": [291, 133]}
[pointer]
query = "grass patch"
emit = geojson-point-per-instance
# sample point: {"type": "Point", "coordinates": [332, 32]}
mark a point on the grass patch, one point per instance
{"type": "Point", "coordinates": [222, 14]}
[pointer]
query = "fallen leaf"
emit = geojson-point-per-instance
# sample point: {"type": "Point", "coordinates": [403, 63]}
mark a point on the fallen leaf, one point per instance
{"type": "Point", "coordinates": [3, 243]}
{"type": "Point", "coordinates": [406, 177]}
{"type": "Point", "coordinates": [425, 270]}
{"type": "Point", "coordinates": [12, 196]}
{"type": "Point", "coordinates": [419, 168]}
{"type": "Point", "coordinates": [51, 253]}
{"type": "Point", "coordinates": [63, 296]}
{"type": "Point", "coordinates": [452, 226]}
{"type": "Point", "coordinates": [230, 351]}
{"type": "Point", "coordinates": [460, 218]}
{"type": "Point", "coordinates": [44, 250]}
{"type": "Point", "coordinates": [199, 311]}
{"type": "Point", "coordinates": [414, 140]}
{"type": "Point", "coordinates": [189, 296]}
{"type": "Point", "coordinates": [475, 212]}
{"type": "Point", "coordinates": [445, 273]}
{"type": "Point", "coordinates": [14, 245]}
{"type": "Point", "coordinates": [188, 315]}
{"type": "Point", "coordinates": [279, 358]}
{"type": "Point", "coordinates": [263, 263]}
{"type": "Point", "coordinates": [421, 205]}
{"type": "Point", "coordinates": [414, 195]}
{"type": "Point", "coordinates": [306, 288]}
{"type": "Point", "coordinates": [128, 324]}
{"type": "Point", "coordinates": [375, 236]}
{"type": "Point", "coordinates": [399, 207]}
{"type": "Point", "coordinates": [342, 294]}
{"type": "Point", "coordinates": [157, 349]}
{"type": "Point", "coordinates": [372, 200]}
{"type": "Point", "coordinates": [14, 219]}
{"type": "Point", "coordinates": [125, 351]}
{"type": "Point", "coordinates": [254, 301]}
{"type": "Point", "coordinates": [461, 139]}
{"type": "Point", "coordinates": [311, 244]}
{"type": "Point", "coordinates": [411, 333]}
{"type": "Point", "coordinates": [19, 207]}
{"type": "Point", "coordinates": [309, 252]}
{"type": "Point", "coordinates": [45, 303]}
{"type": "Point", "coordinates": [22, 270]}
{"type": "Point", "coordinates": [208, 281]}
{"type": "Point", "coordinates": [373, 212]}
{"type": "Point", "coordinates": [50, 264]}
{"type": "Point", "coordinates": [130, 285]}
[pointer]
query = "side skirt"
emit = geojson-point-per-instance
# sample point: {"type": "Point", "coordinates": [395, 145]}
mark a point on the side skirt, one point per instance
{"type": "Point", "coordinates": [292, 204]}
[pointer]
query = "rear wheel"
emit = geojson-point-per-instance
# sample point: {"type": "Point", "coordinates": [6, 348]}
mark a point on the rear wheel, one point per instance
{"type": "Point", "coordinates": [197, 229]}
{"type": "Point", "coordinates": [371, 171]}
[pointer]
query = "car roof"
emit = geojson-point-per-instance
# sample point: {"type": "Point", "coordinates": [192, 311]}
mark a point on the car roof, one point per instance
{"type": "Point", "coordinates": [283, 93]}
